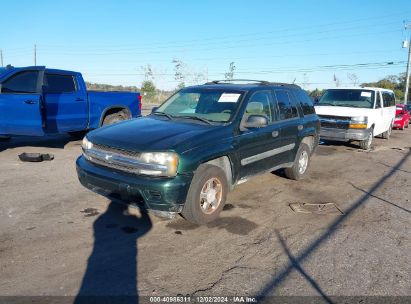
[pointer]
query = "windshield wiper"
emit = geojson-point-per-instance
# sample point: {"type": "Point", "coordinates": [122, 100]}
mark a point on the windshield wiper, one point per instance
{"type": "Point", "coordinates": [197, 118]}
{"type": "Point", "coordinates": [163, 114]}
{"type": "Point", "coordinates": [324, 104]}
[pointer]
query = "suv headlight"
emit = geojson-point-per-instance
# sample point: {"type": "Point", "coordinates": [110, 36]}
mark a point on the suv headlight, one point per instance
{"type": "Point", "coordinates": [166, 162]}
{"type": "Point", "coordinates": [86, 145]}
{"type": "Point", "coordinates": [359, 122]}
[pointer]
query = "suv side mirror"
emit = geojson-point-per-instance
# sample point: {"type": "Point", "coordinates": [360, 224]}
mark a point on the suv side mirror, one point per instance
{"type": "Point", "coordinates": [154, 109]}
{"type": "Point", "coordinates": [255, 121]}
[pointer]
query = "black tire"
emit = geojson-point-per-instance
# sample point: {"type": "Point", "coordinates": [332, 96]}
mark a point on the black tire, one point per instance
{"type": "Point", "coordinates": [113, 118]}
{"type": "Point", "coordinates": [387, 134]}
{"type": "Point", "coordinates": [297, 172]}
{"type": "Point", "coordinates": [366, 144]}
{"type": "Point", "coordinates": [193, 210]}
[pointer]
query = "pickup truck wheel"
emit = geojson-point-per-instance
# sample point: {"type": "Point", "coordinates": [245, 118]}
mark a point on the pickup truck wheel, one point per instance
{"type": "Point", "coordinates": [113, 118]}
{"type": "Point", "coordinates": [366, 144]}
{"type": "Point", "coordinates": [206, 196]}
{"type": "Point", "coordinates": [301, 163]}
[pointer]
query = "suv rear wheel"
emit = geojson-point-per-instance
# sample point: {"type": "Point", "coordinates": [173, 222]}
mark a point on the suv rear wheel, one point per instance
{"type": "Point", "coordinates": [301, 163]}
{"type": "Point", "coordinates": [206, 196]}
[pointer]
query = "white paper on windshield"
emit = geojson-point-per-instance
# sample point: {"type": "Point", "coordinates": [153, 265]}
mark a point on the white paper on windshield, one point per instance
{"type": "Point", "coordinates": [229, 97]}
{"type": "Point", "coordinates": [365, 94]}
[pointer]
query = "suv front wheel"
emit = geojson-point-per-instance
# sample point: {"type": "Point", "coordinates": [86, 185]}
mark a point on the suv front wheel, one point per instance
{"type": "Point", "coordinates": [301, 163]}
{"type": "Point", "coordinates": [206, 196]}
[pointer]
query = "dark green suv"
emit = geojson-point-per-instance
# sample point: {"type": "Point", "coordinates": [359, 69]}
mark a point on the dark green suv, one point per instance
{"type": "Point", "coordinates": [194, 148]}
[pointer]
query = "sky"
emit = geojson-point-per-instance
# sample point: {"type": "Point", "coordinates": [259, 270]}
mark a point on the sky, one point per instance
{"type": "Point", "coordinates": [306, 42]}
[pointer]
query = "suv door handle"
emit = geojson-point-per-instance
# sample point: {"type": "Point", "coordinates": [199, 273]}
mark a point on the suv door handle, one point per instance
{"type": "Point", "coordinates": [79, 99]}
{"type": "Point", "coordinates": [275, 133]}
{"type": "Point", "coordinates": [300, 127]}
{"type": "Point", "coordinates": [30, 101]}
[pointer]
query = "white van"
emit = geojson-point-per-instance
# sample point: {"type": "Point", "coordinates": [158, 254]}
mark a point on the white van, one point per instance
{"type": "Point", "coordinates": [348, 114]}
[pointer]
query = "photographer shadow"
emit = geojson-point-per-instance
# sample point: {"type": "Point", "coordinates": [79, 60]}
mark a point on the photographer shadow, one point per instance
{"type": "Point", "coordinates": [111, 273]}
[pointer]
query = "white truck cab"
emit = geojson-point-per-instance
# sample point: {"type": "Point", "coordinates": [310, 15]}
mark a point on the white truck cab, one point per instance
{"type": "Point", "coordinates": [358, 114]}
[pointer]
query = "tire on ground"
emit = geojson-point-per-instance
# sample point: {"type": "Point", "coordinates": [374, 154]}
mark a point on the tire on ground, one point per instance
{"type": "Point", "coordinates": [294, 172]}
{"type": "Point", "coordinates": [113, 118]}
{"type": "Point", "coordinates": [366, 144]}
{"type": "Point", "coordinates": [192, 210]}
{"type": "Point", "coordinates": [387, 134]}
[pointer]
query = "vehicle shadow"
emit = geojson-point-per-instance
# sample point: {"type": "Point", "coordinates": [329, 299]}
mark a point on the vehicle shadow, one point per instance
{"type": "Point", "coordinates": [111, 274]}
{"type": "Point", "coordinates": [54, 141]}
{"type": "Point", "coordinates": [270, 287]}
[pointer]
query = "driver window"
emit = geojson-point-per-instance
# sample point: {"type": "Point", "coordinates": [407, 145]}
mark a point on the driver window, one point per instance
{"type": "Point", "coordinates": [378, 101]}
{"type": "Point", "coordinates": [260, 103]}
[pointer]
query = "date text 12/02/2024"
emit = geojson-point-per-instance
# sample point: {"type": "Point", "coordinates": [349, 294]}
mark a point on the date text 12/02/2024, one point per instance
{"type": "Point", "coordinates": [202, 299]}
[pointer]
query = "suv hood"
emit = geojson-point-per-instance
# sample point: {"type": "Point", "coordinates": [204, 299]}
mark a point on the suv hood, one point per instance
{"type": "Point", "coordinates": [342, 111]}
{"type": "Point", "coordinates": [147, 134]}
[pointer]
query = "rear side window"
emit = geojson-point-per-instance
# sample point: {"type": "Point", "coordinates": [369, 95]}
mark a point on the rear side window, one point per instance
{"type": "Point", "coordinates": [55, 83]}
{"type": "Point", "coordinates": [23, 82]}
{"type": "Point", "coordinates": [286, 109]}
{"type": "Point", "coordinates": [305, 102]}
{"type": "Point", "coordinates": [388, 99]}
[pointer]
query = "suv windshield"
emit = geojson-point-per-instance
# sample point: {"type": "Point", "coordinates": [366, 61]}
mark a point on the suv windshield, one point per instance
{"type": "Point", "coordinates": [213, 105]}
{"type": "Point", "coordinates": [347, 98]}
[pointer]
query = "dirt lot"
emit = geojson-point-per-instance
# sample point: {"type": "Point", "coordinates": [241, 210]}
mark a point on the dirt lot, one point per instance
{"type": "Point", "coordinates": [58, 238]}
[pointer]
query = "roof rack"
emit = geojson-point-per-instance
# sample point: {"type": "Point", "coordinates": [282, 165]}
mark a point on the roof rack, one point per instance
{"type": "Point", "coordinates": [248, 81]}
{"type": "Point", "coordinates": [237, 80]}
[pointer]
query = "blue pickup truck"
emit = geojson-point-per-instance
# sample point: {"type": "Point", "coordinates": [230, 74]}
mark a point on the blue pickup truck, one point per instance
{"type": "Point", "coordinates": [37, 101]}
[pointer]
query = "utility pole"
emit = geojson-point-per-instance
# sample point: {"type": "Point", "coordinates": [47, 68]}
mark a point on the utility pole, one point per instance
{"type": "Point", "coordinates": [1, 58]}
{"type": "Point", "coordinates": [407, 74]}
{"type": "Point", "coordinates": [35, 55]}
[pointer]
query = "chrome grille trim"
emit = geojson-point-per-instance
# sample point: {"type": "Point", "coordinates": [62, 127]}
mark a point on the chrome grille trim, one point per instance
{"type": "Point", "coordinates": [119, 159]}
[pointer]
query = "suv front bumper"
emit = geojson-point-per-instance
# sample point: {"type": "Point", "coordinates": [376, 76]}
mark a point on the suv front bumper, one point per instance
{"type": "Point", "coordinates": [160, 194]}
{"type": "Point", "coordinates": [344, 134]}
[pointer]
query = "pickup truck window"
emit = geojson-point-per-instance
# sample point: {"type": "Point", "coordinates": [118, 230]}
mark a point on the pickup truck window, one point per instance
{"type": "Point", "coordinates": [23, 82]}
{"type": "Point", "coordinates": [55, 83]}
{"type": "Point", "coordinates": [213, 105]}
{"type": "Point", "coordinates": [286, 108]}
{"type": "Point", "coordinates": [355, 98]}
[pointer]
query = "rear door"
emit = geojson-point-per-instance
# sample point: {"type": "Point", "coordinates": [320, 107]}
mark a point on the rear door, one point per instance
{"type": "Point", "coordinates": [21, 103]}
{"type": "Point", "coordinates": [291, 122]}
{"type": "Point", "coordinates": [258, 147]}
{"type": "Point", "coordinates": [66, 103]}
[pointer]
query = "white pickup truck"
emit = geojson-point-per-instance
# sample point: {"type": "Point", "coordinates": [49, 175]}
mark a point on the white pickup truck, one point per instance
{"type": "Point", "coordinates": [356, 114]}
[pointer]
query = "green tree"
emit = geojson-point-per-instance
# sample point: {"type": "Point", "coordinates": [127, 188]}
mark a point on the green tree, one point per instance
{"type": "Point", "coordinates": [148, 89]}
{"type": "Point", "coordinates": [230, 74]}
{"type": "Point", "coordinates": [390, 82]}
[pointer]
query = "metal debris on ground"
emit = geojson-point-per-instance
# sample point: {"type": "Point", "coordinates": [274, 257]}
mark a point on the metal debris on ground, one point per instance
{"type": "Point", "coordinates": [323, 208]}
